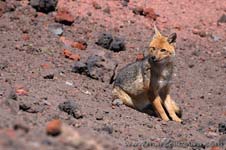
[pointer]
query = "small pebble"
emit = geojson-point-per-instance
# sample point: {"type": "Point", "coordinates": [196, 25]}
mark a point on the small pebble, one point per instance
{"type": "Point", "coordinates": [53, 127]}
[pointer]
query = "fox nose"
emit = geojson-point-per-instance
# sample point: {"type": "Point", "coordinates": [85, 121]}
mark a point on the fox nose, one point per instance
{"type": "Point", "coordinates": [153, 58]}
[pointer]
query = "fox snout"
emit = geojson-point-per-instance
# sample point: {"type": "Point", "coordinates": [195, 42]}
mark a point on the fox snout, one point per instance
{"type": "Point", "coordinates": [153, 58]}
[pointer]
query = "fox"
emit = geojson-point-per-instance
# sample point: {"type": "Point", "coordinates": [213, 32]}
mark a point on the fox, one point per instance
{"type": "Point", "coordinates": [145, 85]}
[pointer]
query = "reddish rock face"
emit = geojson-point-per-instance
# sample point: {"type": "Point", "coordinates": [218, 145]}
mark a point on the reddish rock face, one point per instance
{"type": "Point", "coordinates": [70, 55]}
{"type": "Point", "coordinates": [2, 8]}
{"type": "Point", "coordinates": [150, 13]}
{"type": "Point", "coordinates": [54, 127]}
{"type": "Point", "coordinates": [140, 56]}
{"type": "Point", "coordinates": [64, 16]}
{"type": "Point", "coordinates": [25, 37]}
{"type": "Point", "coordinates": [79, 45]}
{"type": "Point", "coordinates": [215, 148]}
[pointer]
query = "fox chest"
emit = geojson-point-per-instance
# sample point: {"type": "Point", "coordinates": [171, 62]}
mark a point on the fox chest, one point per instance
{"type": "Point", "coordinates": [161, 79]}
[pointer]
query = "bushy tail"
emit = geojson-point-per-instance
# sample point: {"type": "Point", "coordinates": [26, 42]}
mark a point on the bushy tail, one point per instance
{"type": "Point", "coordinates": [177, 109]}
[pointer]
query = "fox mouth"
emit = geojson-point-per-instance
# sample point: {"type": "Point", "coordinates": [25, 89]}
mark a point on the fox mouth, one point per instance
{"type": "Point", "coordinates": [165, 59]}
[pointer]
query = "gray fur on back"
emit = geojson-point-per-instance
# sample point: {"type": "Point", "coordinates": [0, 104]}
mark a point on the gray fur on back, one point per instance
{"type": "Point", "coordinates": [134, 76]}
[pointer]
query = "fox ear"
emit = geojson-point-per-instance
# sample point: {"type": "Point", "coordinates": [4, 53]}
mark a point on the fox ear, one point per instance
{"type": "Point", "coordinates": [157, 33]}
{"type": "Point", "coordinates": [172, 38]}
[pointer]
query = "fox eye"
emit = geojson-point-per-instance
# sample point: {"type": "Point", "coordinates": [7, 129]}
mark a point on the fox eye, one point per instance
{"type": "Point", "coordinates": [162, 50]}
{"type": "Point", "coordinates": [152, 48]}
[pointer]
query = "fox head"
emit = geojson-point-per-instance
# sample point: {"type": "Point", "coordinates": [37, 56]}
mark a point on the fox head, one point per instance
{"type": "Point", "coordinates": [162, 47]}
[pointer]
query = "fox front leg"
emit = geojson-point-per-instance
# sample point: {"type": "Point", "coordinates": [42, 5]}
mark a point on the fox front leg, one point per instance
{"type": "Point", "coordinates": [159, 108]}
{"type": "Point", "coordinates": [169, 106]}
